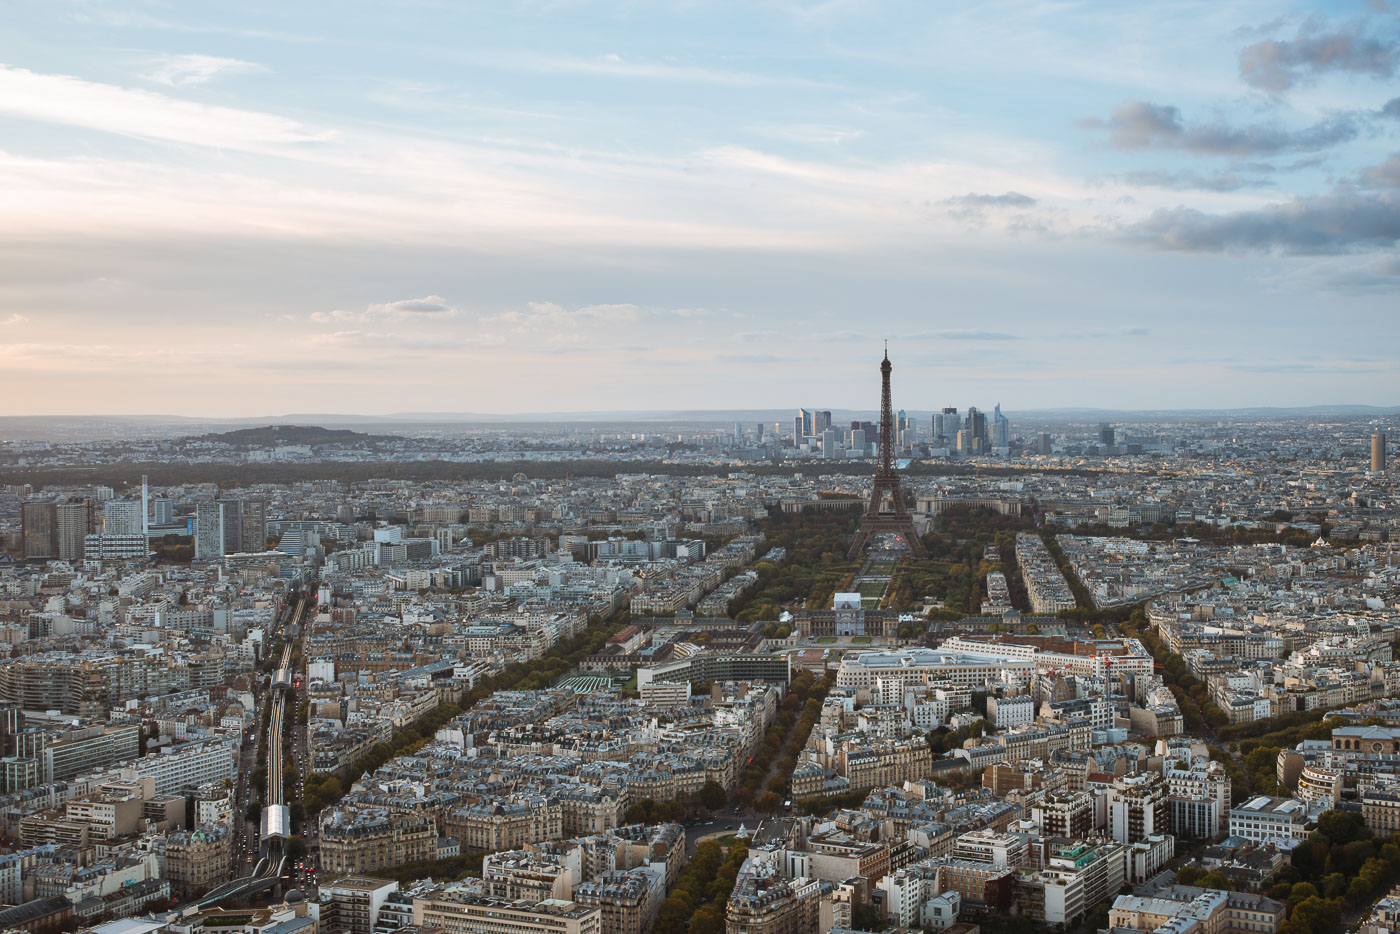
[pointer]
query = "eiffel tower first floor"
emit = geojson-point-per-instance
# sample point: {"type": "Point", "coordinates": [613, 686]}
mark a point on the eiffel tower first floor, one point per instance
{"type": "Point", "coordinates": [894, 521]}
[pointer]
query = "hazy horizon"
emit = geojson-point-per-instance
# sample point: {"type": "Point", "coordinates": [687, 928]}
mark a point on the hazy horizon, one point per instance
{"type": "Point", "coordinates": [231, 209]}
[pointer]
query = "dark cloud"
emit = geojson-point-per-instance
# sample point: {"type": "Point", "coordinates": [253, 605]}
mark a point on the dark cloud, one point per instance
{"type": "Point", "coordinates": [1137, 124]}
{"type": "Point", "coordinates": [1010, 199]}
{"type": "Point", "coordinates": [976, 336]}
{"type": "Point", "coordinates": [1274, 65]}
{"type": "Point", "coordinates": [1336, 223]}
{"type": "Point", "coordinates": [1391, 109]}
{"type": "Point", "coordinates": [1185, 181]}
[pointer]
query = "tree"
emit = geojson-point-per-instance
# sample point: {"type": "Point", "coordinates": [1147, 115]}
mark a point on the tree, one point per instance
{"type": "Point", "coordinates": [712, 795]}
{"type": "Point", "coordinates": [1097, 918]}
{"type": "Point", "coordinates": [1343, 827]}
{"type": "Point", "coordinates": [1213, 880]}
{"type": "Point", "coordinates": [769, 802]}
{"type": "Point", "coordinates": [867, 917]}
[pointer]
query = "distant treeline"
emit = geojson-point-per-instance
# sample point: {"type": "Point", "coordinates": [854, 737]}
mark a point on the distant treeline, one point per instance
{"type": "Point", "coordinates": [127, 475]}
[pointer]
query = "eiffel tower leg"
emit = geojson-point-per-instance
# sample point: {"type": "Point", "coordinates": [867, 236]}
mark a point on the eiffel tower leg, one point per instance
{"type": "Point", "coordinates": [859, 544]}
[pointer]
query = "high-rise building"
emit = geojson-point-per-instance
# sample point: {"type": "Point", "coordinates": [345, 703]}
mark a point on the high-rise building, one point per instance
{"type": "Point", "coordinates": [976, 423]}
{"type": "Point", "coordinates": [821, 421]}
{"type": "Point", "coordinates": [122, 517]}
{"type": "Point", "coordinates": [946, 426]}
{"type": "Point", "coordinates": [233, 526]}
{"type": "Point", "coordinates": [209, 531]}
{"type": "Point", "coordinates": [39, 525]}
{"type": "Point", "coordinates": [1378, 452]}
{"type": "Point", "coordinates": [1044, 446]}
{"type": "Point", "coordinates": [831, 445]}
{"type": "Point", "coordinates": [70, 530]}
{"type": "Point", "coordinates": [163, 512]}
{"type": "Point", "coordinates": [254, 526]}
{"type": "Point", "coordinates": [1106, 434]}
{"type": "Point", "coordinates": [1001, 429]}
{"type": "Point", "coordinates": [801, 426]}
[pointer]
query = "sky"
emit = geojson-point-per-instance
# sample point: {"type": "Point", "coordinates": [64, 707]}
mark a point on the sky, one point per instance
{"type": "Point", "coordinates": [246, 208]}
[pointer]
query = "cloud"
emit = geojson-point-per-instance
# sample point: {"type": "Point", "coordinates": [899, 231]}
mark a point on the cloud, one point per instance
{"type": "Point", "coordinates": [613, 65]}
{"type": "Point", "coordinates": [750, 358]}
{"type": "Point", "coordinates": [1193, 181]}
{"type": "Point", "coordinates": [431, 305]}
{"type": "Point", "coordinates": [1137, 125]}
{"type": "Point", "coordinates": [1383, 175]}
{"type": "Point", "coordinates": [180, 70]}
{"type": "Point", "coordinates": [1391, 109]}
{"type": "Point", "coordinates": [1273, 65]}
{"type": "Point", "coordinates": [1367, 278]}
{"type": "Point", "coordinates": [74, 102]}
{"type": "Point", "coordinates": [1340, 222]}
{"type": "Point", "coordinates": [552, 314]}
{"type": "Point", "coordinates": [15, 319]}
{"type": "Point", "coordinates": [1344, 367]}
{"type": "Point", "coordinates": [976, 336]}
{"type": "Point", "coordinates": [1011, 199]}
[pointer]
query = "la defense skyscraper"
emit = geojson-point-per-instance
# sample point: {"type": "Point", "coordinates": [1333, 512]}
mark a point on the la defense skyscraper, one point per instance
{"type": "Point", "coordinates": [887, 512]}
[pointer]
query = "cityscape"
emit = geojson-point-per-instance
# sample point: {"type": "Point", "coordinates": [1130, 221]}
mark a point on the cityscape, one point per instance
{"type": "Point", "coordinates": [790, 467]}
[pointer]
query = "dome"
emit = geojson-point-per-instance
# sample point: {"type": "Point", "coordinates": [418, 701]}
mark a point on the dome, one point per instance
{"type": "Point", "coordinates": [295, 897]}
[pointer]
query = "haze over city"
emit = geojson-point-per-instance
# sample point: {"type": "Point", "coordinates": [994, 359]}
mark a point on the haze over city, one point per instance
{"type": "Point", "coordinates": [225, 209]}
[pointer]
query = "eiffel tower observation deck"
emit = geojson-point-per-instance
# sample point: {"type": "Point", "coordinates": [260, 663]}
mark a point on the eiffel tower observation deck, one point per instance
{"type": "Point", "coordinates": [887, 513]}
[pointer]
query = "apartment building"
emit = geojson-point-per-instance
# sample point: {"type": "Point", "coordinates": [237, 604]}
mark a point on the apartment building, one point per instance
{"type": "Point", "coordinates": [198, 860]}
{"type": "Point", "coordinates": [356, 840]}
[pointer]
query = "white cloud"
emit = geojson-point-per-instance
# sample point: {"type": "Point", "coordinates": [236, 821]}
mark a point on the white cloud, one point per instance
{"type": "Point", "coordinates": [180, 70]}
{"type": "Point", "coordinates": [434, 306]}
{"type": "Point", "coordinates": [72, 101]}
{"type": "Point", "coordinates": [15, 319]}
{"type": "Point", "coordinates": [428, 305]}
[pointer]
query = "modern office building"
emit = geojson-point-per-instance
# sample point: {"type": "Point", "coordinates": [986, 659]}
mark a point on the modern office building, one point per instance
{"type": "Point", "coordinates": [1001, 428]}
{"type": "Point", "coordinates": [1269, 820]}
{"type": "Point", "coordinates": [1378, 452]}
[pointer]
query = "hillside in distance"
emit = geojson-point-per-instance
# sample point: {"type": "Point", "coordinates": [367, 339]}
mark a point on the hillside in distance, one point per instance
{"type": "Point", "coordinates": [274, 435]}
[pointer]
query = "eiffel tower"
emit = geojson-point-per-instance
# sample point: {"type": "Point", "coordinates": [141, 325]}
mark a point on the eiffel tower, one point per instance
{"type": "Point", "coordinates": [886, 512]}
